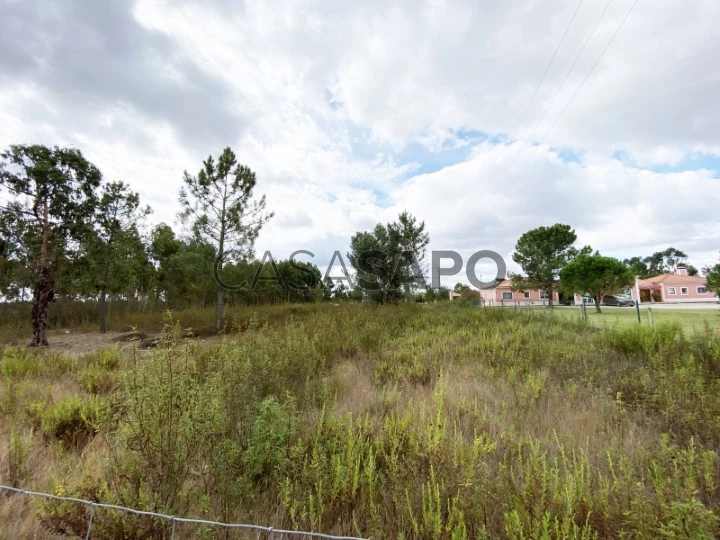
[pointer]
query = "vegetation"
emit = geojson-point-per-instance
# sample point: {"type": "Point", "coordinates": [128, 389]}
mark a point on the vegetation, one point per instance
{"type": "Point", "coordinates": [712, 275]}
{"type": "Point", "coordinates": [387, 260]}
{"type": "Point", "coordinates": [113, 257]}
{"type": "Point", "coordinates": [418, 419]}
{"type": "Point", "coordinates": [595, 275]}
{"type": "Point", "coordinates": [541, 253]}
{"type": "Point", "coordinates": [660, 262]}
{"type": "Point", "coordinates": [219, 202]}
{"type": "Point", "coordinates": [52, 199]}
{"type": "Point", "coordinates": [407, 421]}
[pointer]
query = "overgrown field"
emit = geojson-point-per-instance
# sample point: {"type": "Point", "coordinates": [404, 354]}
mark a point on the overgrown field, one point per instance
{"type": "Point", "coordinates": [394, 422]}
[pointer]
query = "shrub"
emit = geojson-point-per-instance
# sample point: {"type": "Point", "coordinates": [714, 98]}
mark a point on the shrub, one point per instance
{"type": "Point", "coordinates": [73, 421]}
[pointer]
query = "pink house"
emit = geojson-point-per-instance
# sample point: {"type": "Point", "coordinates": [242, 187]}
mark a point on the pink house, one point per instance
{"type": "Point", "coordinates": [502, 294]}
{"type": "Point", "coordinates": [669, 288]}
{"type": "Point", "coordinates": [673, 288]}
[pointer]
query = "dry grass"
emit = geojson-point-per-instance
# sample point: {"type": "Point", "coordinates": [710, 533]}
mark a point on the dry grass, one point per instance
{"type": "Point", "coordinates": [495, 412]}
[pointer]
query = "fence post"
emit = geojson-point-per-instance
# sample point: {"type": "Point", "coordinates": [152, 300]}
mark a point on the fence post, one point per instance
{"type": "Point", "coordinates": [19, 515]}
{"type": "Point", "coordinates": [637, 309]}
{"type": "Point", "coordinates": [90, 521]}
{"type": "Point", "coordinates": [650, 315]}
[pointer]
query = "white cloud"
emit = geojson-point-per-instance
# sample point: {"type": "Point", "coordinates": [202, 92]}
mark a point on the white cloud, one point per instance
{"type": "Point", "coordinates": [321, 98]}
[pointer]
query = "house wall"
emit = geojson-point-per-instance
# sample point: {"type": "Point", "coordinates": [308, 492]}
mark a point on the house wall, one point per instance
{"type": "Point", "coordinates": [495, 296]}
{"type": "Point", "coordinates": [692, 294]}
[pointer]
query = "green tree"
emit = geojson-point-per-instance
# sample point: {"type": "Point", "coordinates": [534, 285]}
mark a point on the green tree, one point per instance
{"type": "Point", "coordinates": [638, 266]}
{"type": "Point", "coordinates": [116, 259]}
{"type": "Point", "coordinates": [388, 259]}
{"type": "Point", "coordinates": [660, 262]}
{"type": "Point", "coordinates": [52, 200]}
{"type": "Point", "coordinates": [220, 204]}
{"type": "Point", "coordinates": [183, 268]}
{"type": "Point", "coordinates": [595, 275]}
{"type": "Point", "coordinates": [712, 275]}
{"type": "Point", "coordinates": [15, 273]}
{"type": "Point", "coordinates": [541, 253]}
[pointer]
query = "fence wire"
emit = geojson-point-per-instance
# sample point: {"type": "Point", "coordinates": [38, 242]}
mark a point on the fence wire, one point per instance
{"type": "Point", "coordinates": [272, 533]}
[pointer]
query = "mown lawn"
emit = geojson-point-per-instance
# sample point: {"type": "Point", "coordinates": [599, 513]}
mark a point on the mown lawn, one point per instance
{"type": "Point", "coordinates": [690, 319]}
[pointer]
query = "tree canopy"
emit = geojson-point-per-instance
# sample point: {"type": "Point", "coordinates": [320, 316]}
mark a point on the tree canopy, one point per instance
{"type": "Point", "coordinates": [388, 260]}
{"type": "Point", "coordinates": [595, 275]}
{"type": "Point", "coordinates": [712, 275]}
{"type": "Point", "coordinates": [219, 203]}
{"type": "Point", "coordinates": [660, 262]}
{"type": "Point", "coordinates": [541, 253]}
{"type": "Point", "coordinates": [51, 208]}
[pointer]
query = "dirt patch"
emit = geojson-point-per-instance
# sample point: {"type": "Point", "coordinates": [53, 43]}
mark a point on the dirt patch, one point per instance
{"type": "Point", "coordinates": [81, 343]}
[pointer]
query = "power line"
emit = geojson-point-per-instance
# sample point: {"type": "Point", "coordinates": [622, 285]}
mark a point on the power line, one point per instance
{"type": "Point", "coordinates": [565, 78]}
{"type": "Point", "coordinates": [587, 75]}
{"type": "Point", "coordinates": [537, 88]}
{"type": "Point", "coordinates": [597, 61]}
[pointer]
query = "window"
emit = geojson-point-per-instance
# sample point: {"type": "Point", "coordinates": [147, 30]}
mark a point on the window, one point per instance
{"type": "Point", "coordinates": [507, 296]}
{"type": "Point", "coordinates": [526, 294]}
{"type": "Point", "coordinates": [701, 290]}
{"type": "Point", "coordinates": [671, 290]}
{"type": "Point", "coordinates": [543, 295]}
{"type": "Point", "coordinates": [683, 290]}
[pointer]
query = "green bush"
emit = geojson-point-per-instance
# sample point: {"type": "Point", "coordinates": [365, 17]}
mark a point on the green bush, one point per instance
{"type": "Point", "coordinates": [72, 421]}
{"type": "Point", "coordinates": [97, 380]}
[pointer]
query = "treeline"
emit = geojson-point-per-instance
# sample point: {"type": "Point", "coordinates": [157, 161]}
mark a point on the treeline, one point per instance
{"type": "Point", "coordinates": [65, 233]}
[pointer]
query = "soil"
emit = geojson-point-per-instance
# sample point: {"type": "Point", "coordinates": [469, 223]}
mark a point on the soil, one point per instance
{"type": "Point", "coordinates": [80, 343]}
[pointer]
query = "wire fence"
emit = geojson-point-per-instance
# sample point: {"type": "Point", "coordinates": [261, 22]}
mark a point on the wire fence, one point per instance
{"type": "Point", "coordinates": [260, 531]}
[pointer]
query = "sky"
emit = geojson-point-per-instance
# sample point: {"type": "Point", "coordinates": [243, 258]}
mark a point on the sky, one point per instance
{"type": "Point", "coordinates": [481, 118]}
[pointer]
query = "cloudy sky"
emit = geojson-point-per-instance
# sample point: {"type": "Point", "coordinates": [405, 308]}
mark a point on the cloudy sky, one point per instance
{"type": "Point", "coordinates": [484, 118]}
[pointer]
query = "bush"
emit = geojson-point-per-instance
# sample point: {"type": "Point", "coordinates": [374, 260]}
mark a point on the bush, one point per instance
{"type": "Point", "coordinates": [72, 421]}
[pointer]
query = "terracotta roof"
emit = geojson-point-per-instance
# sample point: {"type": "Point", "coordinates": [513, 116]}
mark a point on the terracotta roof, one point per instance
{"type": "Point", "coordinates": [676, 278]}
{"type": "Point", "coordinates": [645, 284]}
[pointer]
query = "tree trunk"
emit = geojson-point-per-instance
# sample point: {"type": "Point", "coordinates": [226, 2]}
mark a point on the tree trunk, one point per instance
{"type": "Point", "coordinates": [219, 310]}
{"type": "Point", "coordinates": [42, 296]}
{"type": "Point", "coordinates": [103, 310]}
{"type": "Point", "coordinates": [549, 292]}
{"type": "Point", "coordinates": [597, 304]}
{"type": "Point", "coordinates": [43, 292]}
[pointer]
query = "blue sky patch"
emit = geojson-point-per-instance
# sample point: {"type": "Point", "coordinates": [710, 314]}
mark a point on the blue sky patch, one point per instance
{"type": "Point", "coordinates": [692, 162]}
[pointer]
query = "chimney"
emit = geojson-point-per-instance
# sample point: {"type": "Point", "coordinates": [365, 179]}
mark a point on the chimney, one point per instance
{"type": "Point", "coordinates": [681, 270]}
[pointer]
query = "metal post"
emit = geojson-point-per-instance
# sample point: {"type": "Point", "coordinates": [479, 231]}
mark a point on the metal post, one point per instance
{"type": "Point", "coordinates": [19, 515]}
{"type": "Point", "coordinates": [637, 309]}
{"type": "Point", "coordinates": [90, 521]}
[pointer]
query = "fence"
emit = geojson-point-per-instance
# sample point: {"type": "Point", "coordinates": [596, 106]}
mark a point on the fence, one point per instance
{"type": "Point", "coordinates": [261, 531]}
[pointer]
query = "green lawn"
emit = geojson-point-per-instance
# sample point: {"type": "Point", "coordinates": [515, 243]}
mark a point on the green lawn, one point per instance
{"type": "Point", "coordinates": [688, 318]}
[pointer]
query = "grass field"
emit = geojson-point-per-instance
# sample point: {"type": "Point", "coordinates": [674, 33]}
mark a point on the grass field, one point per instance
{"type": "Point", "coordinates": [427, 422]}
{"type": "Point", "coordinates": [689, 319]}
